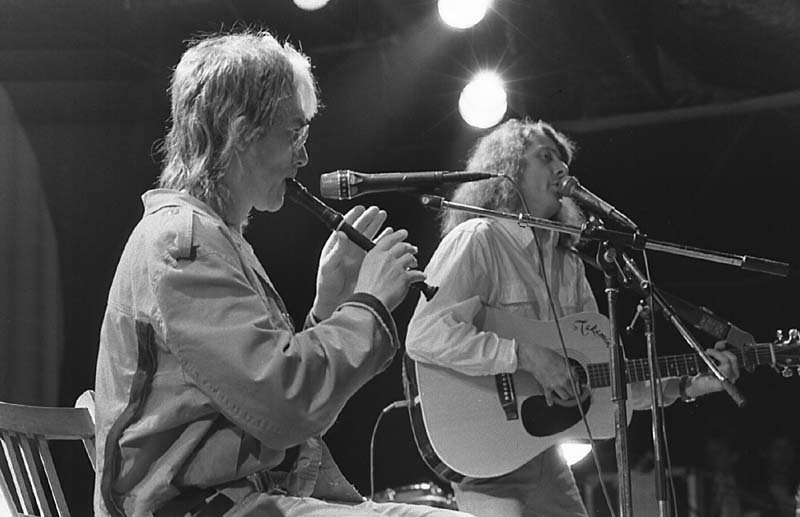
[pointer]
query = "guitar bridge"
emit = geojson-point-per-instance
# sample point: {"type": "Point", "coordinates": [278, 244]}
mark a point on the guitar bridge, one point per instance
{"type": "Point", "coordinates": [507, 395]}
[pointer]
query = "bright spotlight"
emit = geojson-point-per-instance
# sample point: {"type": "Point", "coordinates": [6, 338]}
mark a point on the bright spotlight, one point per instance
{"type": "Point", "coordinates": [462, 14]}
{"type": "Point", "coordinates": [573, 452]}
{"type": "Point", "coordinates": [310, 5]}
{"type": "Point", "coordinates": [483, 100]}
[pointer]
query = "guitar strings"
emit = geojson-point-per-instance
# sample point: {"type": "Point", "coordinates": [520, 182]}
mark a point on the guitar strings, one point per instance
{"type": "Point", "coordinates": [638, 370]}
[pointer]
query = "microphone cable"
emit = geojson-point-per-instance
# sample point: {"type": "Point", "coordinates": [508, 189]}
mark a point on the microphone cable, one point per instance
{"type": "Point", "coordinates": [573, 381]}
{"type": "Point", "coordinates": [394, 405]}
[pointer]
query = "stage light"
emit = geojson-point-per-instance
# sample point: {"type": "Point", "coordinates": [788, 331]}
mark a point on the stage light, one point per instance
{"type": "Point", "coordinates": [483, 100]}
{"type": "Point", "coordinates": [310, 5]}
{"type": "Point", "coordinates": [462, 14]}
{"type": "Point", "coordinates": [573, 452]}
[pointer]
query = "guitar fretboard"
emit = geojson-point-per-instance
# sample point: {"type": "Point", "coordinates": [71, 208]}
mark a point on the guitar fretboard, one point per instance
{"type": "Point", "coordinates": [674, 365]}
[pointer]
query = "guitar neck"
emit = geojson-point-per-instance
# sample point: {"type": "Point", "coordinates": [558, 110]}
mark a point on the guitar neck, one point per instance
{"type": "Point", "coordinates": [675, 365]}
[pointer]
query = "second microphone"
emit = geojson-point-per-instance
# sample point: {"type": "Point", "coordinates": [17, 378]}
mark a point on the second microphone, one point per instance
{"type": "Point", "coordinates": [346, 184]}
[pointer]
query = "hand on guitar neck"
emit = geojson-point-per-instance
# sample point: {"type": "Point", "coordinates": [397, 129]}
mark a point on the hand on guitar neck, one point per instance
{"type": "Point", "coordinates": [705, 383]}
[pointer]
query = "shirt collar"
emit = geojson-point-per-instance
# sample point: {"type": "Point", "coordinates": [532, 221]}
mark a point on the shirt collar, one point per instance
{"type": "Point", "coordinates": [524, 235]}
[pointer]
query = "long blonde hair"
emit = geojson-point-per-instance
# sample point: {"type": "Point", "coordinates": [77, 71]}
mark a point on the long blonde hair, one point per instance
{"type": "Point", "coordinates": [226, 91]}
{"type": "Point", "coordinates": [503, 151]}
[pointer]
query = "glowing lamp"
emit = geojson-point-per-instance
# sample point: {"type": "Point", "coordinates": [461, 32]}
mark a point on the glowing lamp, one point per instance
{"type": "Point", "coordinates": [483, 100]}
{"type": "Point", "coordinates": [462, 14]}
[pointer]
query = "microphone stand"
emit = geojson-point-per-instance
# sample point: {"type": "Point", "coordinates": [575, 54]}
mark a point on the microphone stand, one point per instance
{"type": "Point", "coordinates": [607, 258]}
{"type": "Point", "coordinates": [633, 278]}
{"type": "Point", "coordinates": [645, 311]}
{"type": "Point", "coordinates": [641, 284]}
{"type": "Point", "coordinates": [660, 467]}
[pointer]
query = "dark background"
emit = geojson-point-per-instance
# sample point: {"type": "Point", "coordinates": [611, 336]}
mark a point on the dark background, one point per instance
{"type": "Point", "coordinates": [685, 112]}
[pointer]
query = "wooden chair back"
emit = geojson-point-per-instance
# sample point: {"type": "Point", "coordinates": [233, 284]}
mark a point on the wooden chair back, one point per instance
{"type": "Point", "coordinates": [86, 401]}
{"type": "Point", "coordinates": [29, 483]}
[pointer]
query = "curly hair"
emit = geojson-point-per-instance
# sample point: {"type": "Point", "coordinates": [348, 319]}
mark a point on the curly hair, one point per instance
{"type": "Point", "coordinates": [226, 92]}
{"type": "Point", "coordinates": [503, 151]}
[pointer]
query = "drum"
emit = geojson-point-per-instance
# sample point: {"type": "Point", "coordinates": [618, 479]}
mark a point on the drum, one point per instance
{"type": "Point", "coordinates": [428, 494]}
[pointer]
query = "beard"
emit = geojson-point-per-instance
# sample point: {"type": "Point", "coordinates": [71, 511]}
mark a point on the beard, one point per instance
{"type": "Point", "coordinates": [570, 213]}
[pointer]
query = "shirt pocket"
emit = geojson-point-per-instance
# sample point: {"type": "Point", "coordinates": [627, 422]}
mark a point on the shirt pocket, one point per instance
{"type": "Point", "coordinates": [519, 298]}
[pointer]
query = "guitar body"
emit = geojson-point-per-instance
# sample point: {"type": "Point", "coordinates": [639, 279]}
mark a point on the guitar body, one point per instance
{"type": "Point", "coordinates": [487, 426]}
{"type": "Point", "coordinates": [461, 426]}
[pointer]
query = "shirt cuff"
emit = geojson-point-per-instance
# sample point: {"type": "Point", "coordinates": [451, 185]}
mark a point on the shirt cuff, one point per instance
{"type": "Point", "coordinates": [508, 356]}
{"type": "Point", "coordinates": [682, 385]}
{"type": "Point", "coordinates": [379, 310]}
{"type": "Point", "coordinates": [671, 390]}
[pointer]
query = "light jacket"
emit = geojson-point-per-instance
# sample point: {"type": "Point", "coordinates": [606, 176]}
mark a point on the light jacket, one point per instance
{"type": "Point", "coordinates": [201, 378]}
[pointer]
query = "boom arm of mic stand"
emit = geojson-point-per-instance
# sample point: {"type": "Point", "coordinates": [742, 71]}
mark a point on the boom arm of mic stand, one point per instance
{"type": "Point", "coordinates": [439, 203]}
{"type": "Point", "coordinates": [640, 241]}
{"type": "Point", "coordinates": [635, 240]}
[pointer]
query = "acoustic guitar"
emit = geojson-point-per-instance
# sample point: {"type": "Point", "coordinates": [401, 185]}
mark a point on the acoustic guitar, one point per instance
{"type": "Point", "coordinates": [486, 426]}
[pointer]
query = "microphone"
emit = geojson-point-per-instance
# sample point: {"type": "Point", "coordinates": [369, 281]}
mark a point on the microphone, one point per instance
{"type": "Point", "coordinates": [571, 187]}
{"type": "Point", "coordinates": [345, 184]}
{"type": "Point", "coordinates": [335, 221]}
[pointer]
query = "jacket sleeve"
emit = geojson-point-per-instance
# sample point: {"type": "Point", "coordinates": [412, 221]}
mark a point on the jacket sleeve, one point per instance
{"type": "Point", "coordinates": [278, 386]}
{"type": "Point", "coordinates": [442, 331]}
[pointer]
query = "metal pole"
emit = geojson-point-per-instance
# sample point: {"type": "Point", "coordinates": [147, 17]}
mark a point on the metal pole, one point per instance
{"type": "Point", "coordinates": [619, 394]}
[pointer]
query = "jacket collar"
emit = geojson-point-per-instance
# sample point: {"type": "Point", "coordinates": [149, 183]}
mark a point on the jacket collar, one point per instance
{"type": "Point", "coordinates": [159, 198]}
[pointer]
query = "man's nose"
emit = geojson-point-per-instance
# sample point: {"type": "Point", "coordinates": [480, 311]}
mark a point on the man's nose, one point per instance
{"type": "Point", "coordinates": [560, 169]}
{"type": "Point", "coordinates": [301, 157]}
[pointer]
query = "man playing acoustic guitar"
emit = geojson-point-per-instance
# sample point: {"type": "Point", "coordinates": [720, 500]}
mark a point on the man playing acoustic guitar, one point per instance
{"type": "Point", "coordinates": [485, 263]}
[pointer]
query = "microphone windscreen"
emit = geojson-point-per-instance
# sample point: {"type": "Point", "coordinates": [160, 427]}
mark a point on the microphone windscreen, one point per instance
{"type": "Point", "coordinates": [567, 186]}
{"type": "Point", "coordinates": [330, 185]}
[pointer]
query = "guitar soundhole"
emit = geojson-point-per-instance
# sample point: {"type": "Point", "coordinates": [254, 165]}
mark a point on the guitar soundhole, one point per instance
{"type": "Point", "coordinates": [539, 419]}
